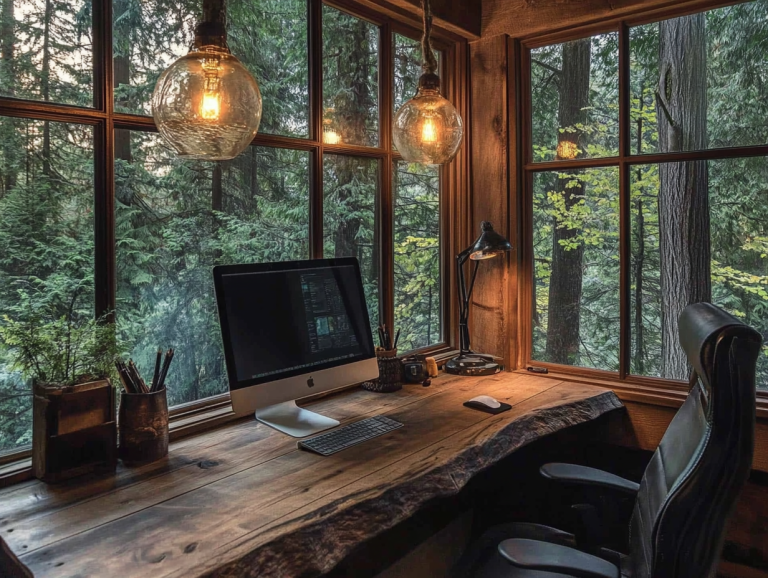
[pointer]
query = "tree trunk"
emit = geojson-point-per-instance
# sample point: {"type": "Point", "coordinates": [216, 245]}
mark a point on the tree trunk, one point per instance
{"type": "Point", "coordinates": [565, 282]}
{"type": "Point", "coordinates": [216, 188]}
{"type": "Point", "coordinates": [683, 187]}
{"type": "Point", "coordinates": [8, 77]}
{"type": "Point", "coordinates": [638, 366]}
{"type": "Point", "coordinates": [45, 84]}
{"type": "Point", "coordinates": [354, 109]}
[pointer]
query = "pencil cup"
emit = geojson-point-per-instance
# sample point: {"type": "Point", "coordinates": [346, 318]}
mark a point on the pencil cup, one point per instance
{"type": "Point", "coordinates": [143, 426]}
{"type": "Point", "coordinates": [390, 373]}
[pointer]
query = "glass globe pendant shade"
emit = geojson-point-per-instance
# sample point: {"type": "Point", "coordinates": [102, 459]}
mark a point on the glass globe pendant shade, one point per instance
{"type": "Point", "coordinates": [427, 129]}
{"type": "Point", "coordinates": [207, 105]}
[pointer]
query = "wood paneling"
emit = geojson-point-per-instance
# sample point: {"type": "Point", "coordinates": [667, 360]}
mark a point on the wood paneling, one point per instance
{"type": "Point", "coordinates": [489, 63]}
{"type": "Point", "coordinates": [523, 18]}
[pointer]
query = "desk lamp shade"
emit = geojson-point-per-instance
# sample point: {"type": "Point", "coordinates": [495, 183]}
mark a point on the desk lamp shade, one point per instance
{"type": "Point", "coordinates": [207, 105]}
{"type": "Point", "coordinates": [488, 245]}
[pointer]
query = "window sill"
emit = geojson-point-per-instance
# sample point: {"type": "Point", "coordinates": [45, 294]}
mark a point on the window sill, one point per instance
{"type": "Point", "coordinates": [667, 394]}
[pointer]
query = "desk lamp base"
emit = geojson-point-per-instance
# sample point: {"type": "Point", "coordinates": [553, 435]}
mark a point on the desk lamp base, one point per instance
{"type": "Point", "coordinates": [471, 363]}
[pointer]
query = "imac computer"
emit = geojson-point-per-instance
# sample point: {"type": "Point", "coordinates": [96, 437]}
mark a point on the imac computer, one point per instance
{"type": "Point", "coordinates": [291, 330]}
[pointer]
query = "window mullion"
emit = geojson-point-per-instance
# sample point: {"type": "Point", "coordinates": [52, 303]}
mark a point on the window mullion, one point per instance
{"type": "Point", "coordinates": [625, 337]}
{"type": "Point", "coordinates": [386, 166]}
{"type": "Point", "coordinates": [315, 39]}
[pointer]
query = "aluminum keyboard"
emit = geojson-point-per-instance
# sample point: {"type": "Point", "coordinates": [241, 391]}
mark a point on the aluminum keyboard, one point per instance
{"type": "Point", "coordinates": [349, 435]}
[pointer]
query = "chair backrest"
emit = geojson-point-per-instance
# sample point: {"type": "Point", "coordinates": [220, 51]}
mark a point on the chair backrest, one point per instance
{"type": "Point", "coordinates": [691, 484]}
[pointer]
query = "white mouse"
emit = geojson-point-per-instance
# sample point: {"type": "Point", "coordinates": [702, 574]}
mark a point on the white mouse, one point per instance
{"type": "Point", "coordinates": [486, 400]}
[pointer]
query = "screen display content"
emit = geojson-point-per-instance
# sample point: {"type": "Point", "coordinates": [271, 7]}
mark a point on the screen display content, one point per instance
{"type": "Point", "coordinates": [288, 322]}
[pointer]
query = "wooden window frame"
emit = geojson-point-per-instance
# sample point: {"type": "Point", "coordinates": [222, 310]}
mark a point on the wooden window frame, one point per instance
{"type": "Point", "coordinates": [653, 390]}
{"type": "Point", "coordinates": [208, 412]}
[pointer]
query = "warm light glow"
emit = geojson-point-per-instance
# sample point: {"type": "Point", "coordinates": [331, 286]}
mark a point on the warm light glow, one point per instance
{"type": "Point", "coordinates": [482, 255]}
{"type": "Point", "coordinates": [207, 105]}
{"type": "Point", "coordinates": [428, 131]}
{"type": "Point", "coordinates": [210, 108]}
{"type": "Point", "coordinates": [330, 136]}
{"type": "Point", "coordinates": [567, 150]}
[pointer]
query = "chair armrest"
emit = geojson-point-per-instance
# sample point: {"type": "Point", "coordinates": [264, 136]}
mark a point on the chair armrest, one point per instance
{"type": "Point", "coordinates": [534, 555]}
{"type": "Point", "coordinates": [586, 476]}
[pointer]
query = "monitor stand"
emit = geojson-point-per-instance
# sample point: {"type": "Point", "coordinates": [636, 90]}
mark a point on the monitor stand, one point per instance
{"type": "Point", "coordinates": [295, 421]}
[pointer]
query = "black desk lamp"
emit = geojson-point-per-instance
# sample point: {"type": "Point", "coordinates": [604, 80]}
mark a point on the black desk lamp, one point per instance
{"type": "Point", "coordinates": [488, 245]}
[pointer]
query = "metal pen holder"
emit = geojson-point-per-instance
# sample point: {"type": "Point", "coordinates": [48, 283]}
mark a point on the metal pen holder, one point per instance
{"type": "Point", "coordinates": [390, 373]}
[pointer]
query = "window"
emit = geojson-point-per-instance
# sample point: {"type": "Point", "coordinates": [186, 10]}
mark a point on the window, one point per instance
{"type": "Point", "coordinates": [97, 214]}
{"type": "Point", "coordinates": [646, 200]}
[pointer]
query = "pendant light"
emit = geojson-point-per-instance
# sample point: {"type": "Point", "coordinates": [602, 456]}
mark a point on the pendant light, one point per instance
{"type": "Point", "coordinates": [207, 105]}
{"type": "Point", "coordinates": [427, 129]}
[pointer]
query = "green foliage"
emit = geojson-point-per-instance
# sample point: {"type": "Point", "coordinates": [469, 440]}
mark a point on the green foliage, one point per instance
{"type": "Point", "coordinates": [59, 350]}
{"type": "Point", "coordinates": [737, 44]}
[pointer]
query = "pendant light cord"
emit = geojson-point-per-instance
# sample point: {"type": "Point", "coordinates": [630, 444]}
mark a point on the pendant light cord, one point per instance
{"type": "Point", "coordinates": [428, 60]}
{"type": "Point", "coordinates": [215, 11]}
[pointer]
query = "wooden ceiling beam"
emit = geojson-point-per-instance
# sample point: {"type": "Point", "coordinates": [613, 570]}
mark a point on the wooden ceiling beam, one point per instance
{"type": "Point", "coordinates": [525, 18]}
{"type": "Point", "coordinates": [461, 17]}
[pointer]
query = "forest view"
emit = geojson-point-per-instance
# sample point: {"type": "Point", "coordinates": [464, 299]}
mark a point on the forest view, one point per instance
{"type": "Point", "coordinates": [698, 229]}
{"type": "Point", "coordinates": [174, 219]}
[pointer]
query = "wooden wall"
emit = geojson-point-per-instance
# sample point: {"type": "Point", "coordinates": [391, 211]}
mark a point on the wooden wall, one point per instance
{"type": "Point", "coordinates": [489, 182]}
{"type": "Point", "coordinates": [522, 18]}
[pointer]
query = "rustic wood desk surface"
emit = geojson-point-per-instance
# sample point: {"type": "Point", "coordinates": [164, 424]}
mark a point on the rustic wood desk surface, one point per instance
{"type": "Point", "coordinates": [243, 501]}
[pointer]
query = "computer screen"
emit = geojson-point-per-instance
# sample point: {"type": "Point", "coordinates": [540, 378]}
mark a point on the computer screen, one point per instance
{"type": "Point", "coordinates": [279, 320]}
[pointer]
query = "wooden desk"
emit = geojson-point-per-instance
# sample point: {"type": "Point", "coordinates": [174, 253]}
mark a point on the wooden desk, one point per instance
{"type": "Point", "coordinates": [243, 501]}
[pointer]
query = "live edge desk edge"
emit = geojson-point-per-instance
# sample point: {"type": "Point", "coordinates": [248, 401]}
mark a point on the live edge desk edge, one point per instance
{"type": "Point", "coordinates": [243, 501]}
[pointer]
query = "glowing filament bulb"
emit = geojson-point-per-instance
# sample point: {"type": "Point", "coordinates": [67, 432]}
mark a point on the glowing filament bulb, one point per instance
{"type": "Point", "coordinates": [567, 150]}
{"type": "Point", "coordinates": [428, 131]}
{"type": "Point", "coordinates": [211, 105]}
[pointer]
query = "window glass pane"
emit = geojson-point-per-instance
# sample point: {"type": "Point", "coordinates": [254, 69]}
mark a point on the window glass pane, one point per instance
{"type": "Point", "coordinates": [576, 268]}
{"type": "Point", "coordinates": [709, 244]}
{"type": "Point", "coordinates": [46, 235]}
{"type": "Point", "coordinates": [417, 254]}
{"type": "Point", "coordinates": [350, 79]}
{"type": "Point", "coordinates": [46, 51]}
{"type": "Point", "coordinates": [575, 99]}
{"type": "Point", "coordinates": [268, 36]}
{"type": "Point", "coordinates": [407, 69]}
{"type": "Point", "coordinates": [698, 81]}
{"type": "Point", "coordinates": [350, 218]}
{"type": "Point", "coordinates": [175, 221]}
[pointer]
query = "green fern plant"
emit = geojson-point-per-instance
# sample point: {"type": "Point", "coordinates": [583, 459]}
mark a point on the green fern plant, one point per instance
{"type": "Point", "coordinates": [63, 350]}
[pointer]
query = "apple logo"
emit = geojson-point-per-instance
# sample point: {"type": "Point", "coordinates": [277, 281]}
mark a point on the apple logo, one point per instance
{"type": "Point", "coordinates": [311, 382]}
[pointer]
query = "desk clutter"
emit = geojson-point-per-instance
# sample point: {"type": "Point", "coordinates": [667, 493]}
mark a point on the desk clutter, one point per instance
{"type": "Point", "coordinates": [393, 371]}
{"type": "Point", "coordinates": [143, 418]}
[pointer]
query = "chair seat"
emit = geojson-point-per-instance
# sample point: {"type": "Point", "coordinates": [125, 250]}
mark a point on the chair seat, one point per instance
{"type": "Point", "coordinates": [482, 559]}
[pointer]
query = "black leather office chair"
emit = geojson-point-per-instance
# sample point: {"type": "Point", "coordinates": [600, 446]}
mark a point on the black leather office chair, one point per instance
{"type": "Point", "coordinates": [689, 488]}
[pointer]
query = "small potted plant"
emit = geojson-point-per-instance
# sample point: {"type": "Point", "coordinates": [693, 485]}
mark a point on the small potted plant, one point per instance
{"type": "Point", "coordinates": [68, 361]}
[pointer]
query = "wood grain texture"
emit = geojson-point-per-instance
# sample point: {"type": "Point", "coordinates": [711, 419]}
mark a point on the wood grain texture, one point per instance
{"type": "Point", "coordinates": [242, 501]}
{"type": "Point", "coordinates": [489, 185]}
{"type": "Point", "coordinates": [524, 18]}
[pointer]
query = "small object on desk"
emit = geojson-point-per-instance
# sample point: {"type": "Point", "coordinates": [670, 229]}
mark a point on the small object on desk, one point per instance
{"type": "Point", "coordinates": [349, 435]}
{"type": "Point", "coordinates": [73, 430]}
{"type": "Point", "coordinates": [487, 404]}
{"type": "Point", "coordinates": [534, 369]}
{"type": "Point", "coordinates": [390, 372]}
{"type": "Point", "coordinates": [143, 416]}
{"type": "Point", "coordinates": [431, 366]}
{"type": "Point", "coordinates": [415, 369]}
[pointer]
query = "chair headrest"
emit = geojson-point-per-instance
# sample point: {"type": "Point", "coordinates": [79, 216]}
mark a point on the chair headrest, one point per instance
{"type": "Point", "coordinates": [701, 326]}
